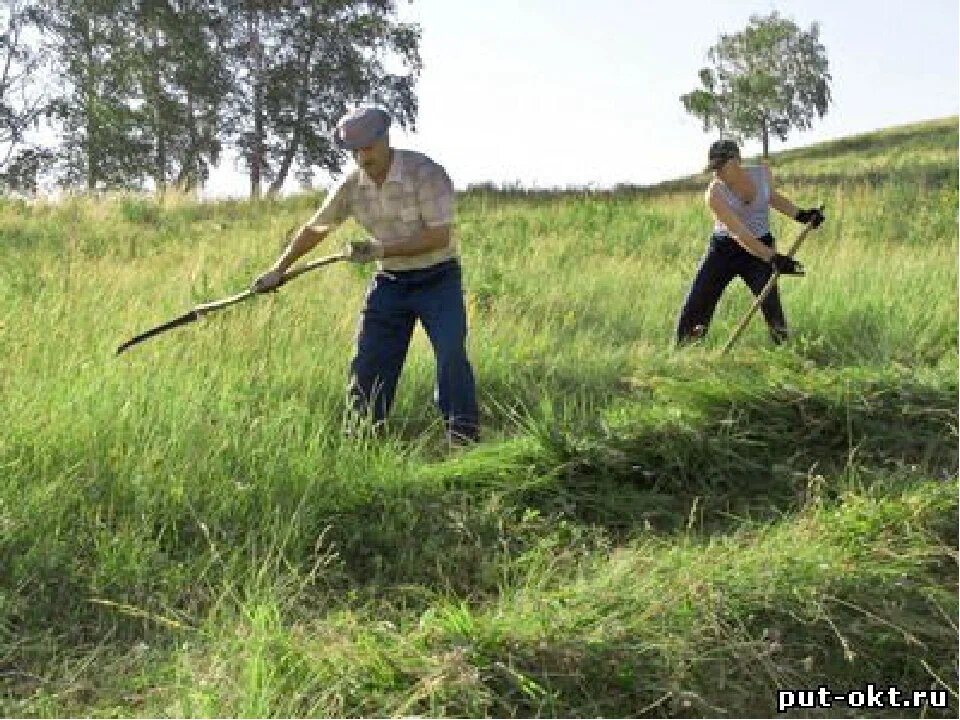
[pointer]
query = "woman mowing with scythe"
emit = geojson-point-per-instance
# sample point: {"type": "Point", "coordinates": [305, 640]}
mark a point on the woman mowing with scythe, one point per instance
{"type": "Point", "coordinates": [740, 198]}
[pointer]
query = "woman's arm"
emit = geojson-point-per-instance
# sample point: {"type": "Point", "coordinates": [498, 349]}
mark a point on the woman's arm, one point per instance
{"type": "Point", "coordinates": [740, 233]}
{"type": "Point", "coordinates": [779, 202]}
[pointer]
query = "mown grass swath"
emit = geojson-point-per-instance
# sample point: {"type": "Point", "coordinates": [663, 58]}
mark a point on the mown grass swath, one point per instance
{"type": "Point", "coordinates": [183, 531]}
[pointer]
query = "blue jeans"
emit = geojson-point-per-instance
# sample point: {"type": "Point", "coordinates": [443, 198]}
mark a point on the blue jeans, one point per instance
{"type": "Point", "coordinates": [724, 260]}
{"type": "Point", "coordinates": [394, 302]}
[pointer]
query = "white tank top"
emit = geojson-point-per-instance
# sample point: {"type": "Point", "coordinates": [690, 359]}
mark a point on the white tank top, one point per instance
{"type": "Point", "coordinates": [755, 215]}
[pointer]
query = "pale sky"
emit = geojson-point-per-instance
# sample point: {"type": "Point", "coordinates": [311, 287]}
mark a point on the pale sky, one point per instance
{"type": "Point", "coordinates": [554, 93]}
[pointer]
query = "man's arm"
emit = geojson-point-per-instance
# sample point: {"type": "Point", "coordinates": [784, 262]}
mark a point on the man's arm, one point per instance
{"type": "Point", "coordinates": [430, 239]}
{"type": "Point", "coordinates": [306, 239]}
{"type": "Point", "coordinates": [324, 221]}
{"type": "Point", "coordinates": [435, 199]}
{"type": "Point", "coordinates": [332, 213]}
{"type": "Point", "coordinates": [434, 208]}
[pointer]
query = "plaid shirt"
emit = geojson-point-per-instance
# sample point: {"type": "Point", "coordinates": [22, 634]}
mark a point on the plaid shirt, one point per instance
{"type": "Point", "coordinates": [416, 193]}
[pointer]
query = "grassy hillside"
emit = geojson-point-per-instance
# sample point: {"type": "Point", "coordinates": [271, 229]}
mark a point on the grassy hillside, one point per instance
{"type": "Point", "coordinates": [642, 531]}
{"type": "Point", "coordinates": [921, 153]}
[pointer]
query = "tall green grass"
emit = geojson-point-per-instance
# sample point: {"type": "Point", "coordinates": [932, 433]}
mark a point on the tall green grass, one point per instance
{"type": "Point", "coordinates": [184, 530]}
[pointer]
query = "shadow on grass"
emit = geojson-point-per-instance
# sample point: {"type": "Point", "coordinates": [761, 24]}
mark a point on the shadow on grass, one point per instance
{"type": "Point", "coordinates": [733, 663]}
{"type": "Point", "coordinates": [509, 393]}
{"type": "Point", "coordinates": [693, 457]}
{"type": "Point", "coordinates": [708, 640]}
{"type": "Point", "coordinates": [757, 452]}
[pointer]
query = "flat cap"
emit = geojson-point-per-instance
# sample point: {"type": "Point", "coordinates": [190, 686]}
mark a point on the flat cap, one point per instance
{"type": "Point", "coordinates": [361, 127]}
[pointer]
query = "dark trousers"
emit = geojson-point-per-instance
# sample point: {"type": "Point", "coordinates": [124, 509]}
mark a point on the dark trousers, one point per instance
{"type": "Point", "coordinates": [724, 260]}
{"type": "Point", "coordinates": [394, 302]}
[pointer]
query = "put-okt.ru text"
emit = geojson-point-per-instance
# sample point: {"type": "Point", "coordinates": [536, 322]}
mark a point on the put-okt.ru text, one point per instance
{"type": "Point", "coordinates": [871, 697]}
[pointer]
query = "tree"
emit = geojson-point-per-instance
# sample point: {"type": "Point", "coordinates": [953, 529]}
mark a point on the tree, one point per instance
{"type": "Point", "coordinates": [142, 86]}
{"type": "Point", "coordinates": [100, 121]}
{"type": "Point", "coordinates": [151, 90]}
{"type": "Point", "coordinates": [23, 102]}
{"type": "Point", "coordinates": [298, 66]}
{"type": "Point", "coordinates": [766, 79]}
{"type": "Point", "coordinates": [181, 82]}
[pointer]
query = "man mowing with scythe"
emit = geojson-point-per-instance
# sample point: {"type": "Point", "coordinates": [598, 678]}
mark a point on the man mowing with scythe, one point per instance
{"type": "Point", "coordinates": [740, 198]}
{"type": "Point", "coordinates": [406, 202]}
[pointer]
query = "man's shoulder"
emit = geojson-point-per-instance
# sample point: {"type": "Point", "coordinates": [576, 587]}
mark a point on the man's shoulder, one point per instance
{"type": "Point", "coordinates": [344, 187]}
{"type": "Point", "coordinates": [413, 158]}
{"type": "Point", "coordinates": [420, 165]}
{"type": "Point", "coordinates": [349, 178]}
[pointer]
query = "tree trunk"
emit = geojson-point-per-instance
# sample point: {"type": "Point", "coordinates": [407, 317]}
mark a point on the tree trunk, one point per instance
{"type": "Point", "coordinates": [303, 90]}
{"type": "Point", "coordinates": [189, 172]}
{"type": "Point", "coordinates": [291, 150]}
{"type": "Point", "coordinates": [256, 152]}
{"type": "Point", "coordinates": [256, 158]}
{"type": "Point", "coordinates": [289, 154]}
{"type": "Point", "coordinates": [89, 99]}
{"type": "Point", "coordinates": [160, 169]}
{"type": "Point", "coordinates": [765, 135]}
{"type": "Point", "coordinates": [160, 172]}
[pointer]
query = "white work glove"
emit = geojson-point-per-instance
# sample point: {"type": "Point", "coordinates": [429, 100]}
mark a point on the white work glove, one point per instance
{"type": "Point", "coordinates": [363, 251]}
{"type": "Point", "coordinates": [265, 282]}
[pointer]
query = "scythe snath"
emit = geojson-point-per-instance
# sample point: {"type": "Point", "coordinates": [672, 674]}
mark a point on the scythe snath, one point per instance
{"type": "Point", "coordinates": [200, 310]}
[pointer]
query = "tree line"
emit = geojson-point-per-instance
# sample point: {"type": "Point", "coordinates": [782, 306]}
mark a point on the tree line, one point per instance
{"type": "Point", "coordinates": [136, 94]}
{"type": "Point", "coordinates": [151, 93]}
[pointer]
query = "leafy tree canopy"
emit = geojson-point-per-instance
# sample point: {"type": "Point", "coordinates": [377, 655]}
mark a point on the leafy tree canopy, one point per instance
{"type": "Point", "coordinates": [769, 78]}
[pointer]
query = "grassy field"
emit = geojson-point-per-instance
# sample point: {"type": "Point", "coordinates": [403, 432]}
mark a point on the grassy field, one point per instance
{"type": "Point", "coordinates": [642, 532]}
